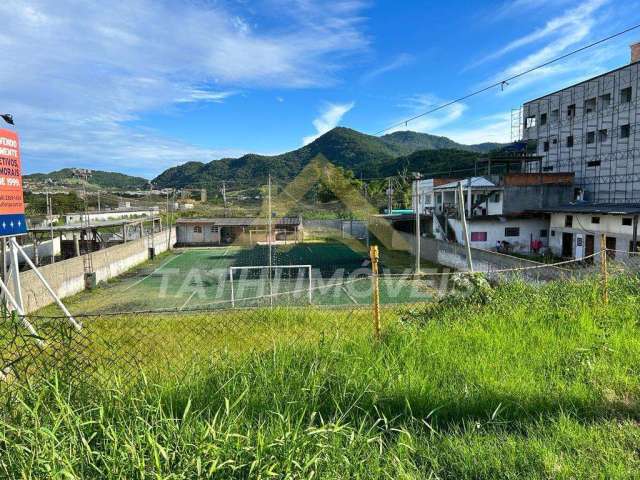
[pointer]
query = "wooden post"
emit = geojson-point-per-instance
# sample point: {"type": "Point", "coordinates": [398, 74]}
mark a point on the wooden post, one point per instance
{"type": "Point", "coordinates": [375, 290]}
{"type": "Point", "coordinates": [603, 268]}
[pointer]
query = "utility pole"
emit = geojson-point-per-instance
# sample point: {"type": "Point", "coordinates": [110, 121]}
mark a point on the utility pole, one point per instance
{"type": "Point", "coordinates": [50, 219]}
{"type": "Point", "coordinates": [98, 200]}
{"type": "Point", "coordinates": [465, 231]}
{"type": "Point", "coordinates": [389, 197]}
{"type": "Point", "coordinates": [269, 238]}
{"type": "Point", "coordinates": [416, 204]}
{"type": "Point", "coordinates": [224, 197]}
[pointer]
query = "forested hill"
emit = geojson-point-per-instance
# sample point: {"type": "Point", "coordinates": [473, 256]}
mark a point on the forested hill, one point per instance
{"type": "Point", "coordinates": [110, 180]}
{"type": "Point", "coordinates": [362, 154]}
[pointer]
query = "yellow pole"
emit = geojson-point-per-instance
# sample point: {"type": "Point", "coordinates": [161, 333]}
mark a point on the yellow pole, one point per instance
{"type": "Point", "coordinates": [375, 291]}
{"type": "Point", "coordinates": [603, 268]}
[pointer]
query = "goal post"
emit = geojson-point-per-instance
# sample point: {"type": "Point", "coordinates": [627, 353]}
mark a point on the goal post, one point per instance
{"type": "Point", "coordinates": [235, 273]}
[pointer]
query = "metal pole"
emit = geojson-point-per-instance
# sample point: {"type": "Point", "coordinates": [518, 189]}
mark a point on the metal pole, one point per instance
{"type": "Point", "coordinates": [233, 298]}
{"type": "Point", "coordinates": [269, 243]}
{"type": "Point", "coordinates": [18, 248]}
{"type": "Point", "coordinates": [634, 241]}
{"type": "Point", "coordinates": [417, 212]}
{"type": "Point", "coordinates": [389, 197]}
{"type": "Point", "coordinates": [465, 231]}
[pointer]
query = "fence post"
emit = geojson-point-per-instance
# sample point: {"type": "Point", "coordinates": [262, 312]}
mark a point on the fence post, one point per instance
{"type": "Point", "coordinates": [375, 290]}
{"type": "Point", "coordinates": [603, 268]}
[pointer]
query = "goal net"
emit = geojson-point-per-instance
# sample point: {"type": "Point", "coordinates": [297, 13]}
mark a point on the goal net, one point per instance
{"type": "Point", "coordinates": [270, 284]}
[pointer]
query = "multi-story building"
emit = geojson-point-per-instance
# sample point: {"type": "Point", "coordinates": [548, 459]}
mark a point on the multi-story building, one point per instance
{"type": "Point", "coordinates": [591, 129]}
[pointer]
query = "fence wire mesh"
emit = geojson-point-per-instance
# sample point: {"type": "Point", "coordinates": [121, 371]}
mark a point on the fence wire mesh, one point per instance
{"type": "Point", "coordinates": [178, 312]}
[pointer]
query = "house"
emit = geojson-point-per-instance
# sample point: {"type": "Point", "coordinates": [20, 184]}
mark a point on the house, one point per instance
{"type": "Point", "coordinates": [243, 231]}
{"type": "Point", "coordinates": [576, 229]}
{"type": "Point", "coordinates": [502, 210]}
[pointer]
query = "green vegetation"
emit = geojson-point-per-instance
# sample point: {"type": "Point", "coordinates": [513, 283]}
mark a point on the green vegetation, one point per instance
{"type": "Point", "coordinates": [354, 151]}
{"type": "Point", "coordinates": [111, 180]}
{"type": "Point", "coordinates": [541, 382]}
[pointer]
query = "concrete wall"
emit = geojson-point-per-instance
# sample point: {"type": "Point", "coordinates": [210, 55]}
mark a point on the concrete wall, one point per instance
{"type": "Point", "coordinates": [67, 277]}
{"type": "Point", "coordinates": [612, 179]}
{"type": "Point", "coordinates": [454, 256]}
{"type": "Point", "coordinates": [530, 229]}
{"type": "Point", "coordinates": [342, 228]}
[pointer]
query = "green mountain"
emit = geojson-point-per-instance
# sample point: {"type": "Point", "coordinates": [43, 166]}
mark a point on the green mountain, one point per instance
{"type": "Point", "coordinates": [407, 142]}
{"type": "Point", "coordinates": [112, 180]}
{"type": "Point", "coordinates": [363, 154]}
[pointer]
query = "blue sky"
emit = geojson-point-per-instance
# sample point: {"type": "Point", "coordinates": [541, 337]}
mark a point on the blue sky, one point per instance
{"type": "Point", "coordinates": [146, 84]}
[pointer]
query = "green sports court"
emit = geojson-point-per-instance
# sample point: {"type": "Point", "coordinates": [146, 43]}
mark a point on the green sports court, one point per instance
{"type": "Point", "coordinates": [332, 274]}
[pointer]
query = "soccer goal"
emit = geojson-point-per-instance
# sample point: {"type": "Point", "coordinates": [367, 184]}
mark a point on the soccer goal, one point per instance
{"type": "Point", "coordinates": [264, 280]}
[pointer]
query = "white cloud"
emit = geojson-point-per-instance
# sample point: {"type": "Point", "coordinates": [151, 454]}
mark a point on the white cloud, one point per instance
{"type": "Point", "coordinates": [418, 104]}
{"type": "Point", "coordinates": [570, 27]}
{"type": "Point", "coordinates": [74, 73]}
{"type": "Point", "coordinates": [328, 119]}
{"type": "Point", "coordinates": [199, 95]}
{"type": "Point", "coordinates": [398, 62]}
{"type": "Point", "coordinates": [491, 128]}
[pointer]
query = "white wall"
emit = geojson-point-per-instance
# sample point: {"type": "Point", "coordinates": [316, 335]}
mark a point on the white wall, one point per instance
{"type": "Point", "coordinates": [529, 229]}
{"type": "Point", "coordinates": [611, 225]}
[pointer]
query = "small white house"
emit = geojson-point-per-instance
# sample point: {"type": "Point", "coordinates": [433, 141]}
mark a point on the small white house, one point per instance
{"type": "Point", "coordinates": [576, 230]}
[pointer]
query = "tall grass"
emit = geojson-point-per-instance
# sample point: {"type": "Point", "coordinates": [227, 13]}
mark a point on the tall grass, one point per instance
{"type": "Point", "coordinates": [540, 383]}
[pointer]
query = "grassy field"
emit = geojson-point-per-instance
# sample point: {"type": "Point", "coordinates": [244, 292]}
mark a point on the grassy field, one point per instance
{"type": "Point", "coordinates": [537, 383]}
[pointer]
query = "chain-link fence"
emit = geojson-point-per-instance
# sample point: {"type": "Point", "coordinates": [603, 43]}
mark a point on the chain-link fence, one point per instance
{"type": "Point", "coordinates": [173, 338]}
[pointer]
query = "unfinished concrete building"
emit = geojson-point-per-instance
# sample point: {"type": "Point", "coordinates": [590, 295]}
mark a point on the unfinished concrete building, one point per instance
{"type": "Point", "coordinates": [590, 129]}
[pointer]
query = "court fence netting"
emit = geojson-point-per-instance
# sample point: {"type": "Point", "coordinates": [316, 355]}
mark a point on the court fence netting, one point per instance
{"type": "Point", "coordinates": [162, 342]}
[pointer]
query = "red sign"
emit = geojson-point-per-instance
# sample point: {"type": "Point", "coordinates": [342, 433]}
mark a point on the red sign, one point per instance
{"type": "Point", "coordinates": [12, 219]}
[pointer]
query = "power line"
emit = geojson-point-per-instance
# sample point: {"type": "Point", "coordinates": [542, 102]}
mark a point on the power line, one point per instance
{"type": "Point", "coordinates": [504, 82]}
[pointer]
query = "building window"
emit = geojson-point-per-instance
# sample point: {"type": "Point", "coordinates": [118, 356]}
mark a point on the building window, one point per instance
{"type": "Point", "coordinates": [555, 114]}
{"type": "Point", "coordinates": [543, 233]}
{"type": "Point", "coordinates": [627, 221]}
{"type": "Point", "coordinates": [215, 229]}
{"type": "Point", "coordinates": [595, 219]}
{"type": "Point", "coordinates": [589, 105]}
{"type": "Point", "coordinates": [553, 233]}
{"type": "Point", "coordinates": [478, 236]}
{"type": "Point", "coordinates": [625, 131]}
{"type": "Point", "coordinates": [625, 95]}
{"type": "Point", "coordinates": [603, 135]}
{"type": "Point", "coordinates": [495, 198]}
{"type": "Point", "coordinates": [512, 232]}
{"type": "Point", "coordinates": [548, 168]}
{"type": "Point", "coordinates": [571, 111]}
{"type": "Point", "coordinates": [605, 101]}
{"type": "Point", "coordinates": [593, 163]}
{"type": "Point", "coordinates": [530, 121]}
{"type": "Point", "coordinates": [591, 137]}
{"type": "Point", "coordinates": [570, 141]}
{"type": "Point", "coordinates": [631, 246]}
{"type": "Point", "coordinates": [545, 146]}
{"type": "Point", "coordinates": [543, 119]}
{"type": "Point", "coordinates": [554, 141]}
{"type": "Point", "coordinates": [197, 229]}
{"type": "Point", "coordinates": [568, 221]}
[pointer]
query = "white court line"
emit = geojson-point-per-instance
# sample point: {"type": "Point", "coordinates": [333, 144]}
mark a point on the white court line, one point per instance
{"type": "Point", "coordinates": [155, 271]}
{"type": "Point", "coordinates": [188, 300]}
